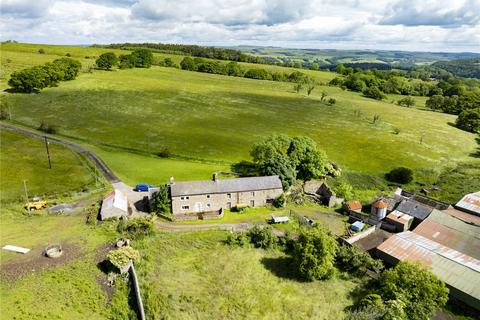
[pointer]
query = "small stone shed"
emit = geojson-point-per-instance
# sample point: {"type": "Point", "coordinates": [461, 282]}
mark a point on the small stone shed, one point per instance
{"type": "Point", "coordinates": [321, 192]}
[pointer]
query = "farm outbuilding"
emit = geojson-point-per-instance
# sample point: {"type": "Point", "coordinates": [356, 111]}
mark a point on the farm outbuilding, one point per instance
{"type": "Point", "coordinates": [114, 205]}
{"type": "Point", "coordinates": [447, 242]}
{"type": "Point", "coordinates": [470, 203]}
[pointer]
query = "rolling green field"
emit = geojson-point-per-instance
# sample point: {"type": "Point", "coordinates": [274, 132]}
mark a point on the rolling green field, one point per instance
{"type": "Point", "coordinates": [215, 117]}
{"type": "Point", "coordinates": [24, 158]}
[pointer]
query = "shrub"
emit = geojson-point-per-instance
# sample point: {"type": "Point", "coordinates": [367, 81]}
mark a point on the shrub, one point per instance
{"type": "Point", "coordinates": [374, 93]}
{"type": "Point", "coordinates": [240, 208]}
{"type": "Point", "coordinates": [406, 102]}
{"type": "Point", "coordinates": [92, 214]}
{"type": "Point", "coordinates": [279, 202]}
{"type": "Point", "coordinates": [238, 239]}
{"type": "Point", "coordinates": [120, 257]}
{"type": "Point", "coordinates": [332, 101]}
{"type": "Point", "coordinates": [68, 54]}
{"type": "Point", "coordinates": [143, 58]}
{"type": "Point", "coordinates": [344, 190]}
{"type": "Point", "coordinates": [4, 111]}
{"type": "Point", "coordinates": [350, 259]}
{"type": "Point", "coordinates": [259, 74]}
{"type": "Point", "coordinates": [262, 237]}
{"type": "Point", "coordinates": [47, 128]}
{"type": "Point", "coordinates": [400, 175]}
{"type": "Point", "coordinates": [164, 153]}
{"type": "Point", "coordinates": [41, 51]}
{"type": "Point", "coordinates": [314, 253]}
{"type": "Point", "coordinates": [136, 228]}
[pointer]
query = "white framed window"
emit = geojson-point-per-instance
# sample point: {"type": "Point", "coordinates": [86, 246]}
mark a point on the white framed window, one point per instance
{"type": "Point", "coordinates": [253, 193]}
{"type": "Point", "coordinates": [184, 198]}
{"type": "Point", "coordinates": [208, 205]}
{"type": "Point", "coordinates": [229, 196]}
{"type": "Point", "coordinates": [185, 207]}
{"type": "Point", "coordinates": [208, 196]}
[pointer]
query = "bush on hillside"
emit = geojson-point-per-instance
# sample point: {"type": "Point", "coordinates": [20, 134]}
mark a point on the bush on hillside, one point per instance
{"type": "Point", "coordinates": [106, 61]}
{"type": "Point", "coordinates": [47, 128]}
{"type": "Point", "coordinates": [374, 93]}
{"type": "Point", "coordinates": [350, 259]}
{"type": "Point", "coordinates": [262, 237]}
{"type": "Point", "coordinates": [136, 228]}
{"type": "Point", "coordinates": [469, 120]}
{"type": "Point", "coordinates": [406, 102]}
{"type": "Point", "coordinates": [400, 175]}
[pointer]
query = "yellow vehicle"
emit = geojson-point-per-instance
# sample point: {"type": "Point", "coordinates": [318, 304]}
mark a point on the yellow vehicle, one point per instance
{"type": "Point", "coordinates": [36, 204]}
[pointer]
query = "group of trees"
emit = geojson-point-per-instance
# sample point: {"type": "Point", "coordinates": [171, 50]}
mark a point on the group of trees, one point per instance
{"type": "Point", "coordinates": [36, 78]}
{"type": "Point", "coordinates": [291, 159]}
{"type": "Point", "coordinates": [140, 58]}
{"type": "Point", "coordinates": [236, 70]}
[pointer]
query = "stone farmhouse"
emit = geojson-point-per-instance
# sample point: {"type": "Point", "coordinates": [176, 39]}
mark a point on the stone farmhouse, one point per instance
{"type": "Point", "coordinates": [218, 194]}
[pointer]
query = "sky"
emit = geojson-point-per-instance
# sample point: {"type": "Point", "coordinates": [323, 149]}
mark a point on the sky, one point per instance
{"type": "Point", "coordinates": [411, 25]}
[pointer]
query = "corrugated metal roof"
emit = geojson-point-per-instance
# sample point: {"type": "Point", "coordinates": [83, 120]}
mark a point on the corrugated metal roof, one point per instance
{"type": "Point", "coordinates": [464, 216]}
{"type": "Point", "coordinates": [458, 270]}
{"type": "Point", "coordinates": [224, 186]}
{"type": "Point", "coordinates": [414, 209]}
{"type": "Point", "coordinates": [470, 202]}
{"type": "Point", "coordinates": [450, 237]}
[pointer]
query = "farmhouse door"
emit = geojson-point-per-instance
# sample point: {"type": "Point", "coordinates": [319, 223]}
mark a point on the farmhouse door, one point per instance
{"type": "Point", "coordinates": [198, 207]}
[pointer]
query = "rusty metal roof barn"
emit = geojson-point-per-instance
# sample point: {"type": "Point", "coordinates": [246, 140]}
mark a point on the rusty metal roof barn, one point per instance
{"type": "Point", "coordinates": [470, 203]}
{"type": "Point", "coordinates": [225, 186]}
{"type": "Point", "coordinates": [451, 232]}
{"type": "Point", "coordinates": [460, 272]}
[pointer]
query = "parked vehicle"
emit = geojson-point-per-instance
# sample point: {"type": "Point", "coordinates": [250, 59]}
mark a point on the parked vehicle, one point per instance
{"type": "Point", "coordinates": [276, 220]}
{"type": "Point", "coordinates": [143, 187]}
{"type": "Point", "coordinates": [36, 204]}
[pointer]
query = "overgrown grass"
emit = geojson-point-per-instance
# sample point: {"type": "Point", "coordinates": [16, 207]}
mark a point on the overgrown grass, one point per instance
{"type": "Point", "coordinates": [196, 276]}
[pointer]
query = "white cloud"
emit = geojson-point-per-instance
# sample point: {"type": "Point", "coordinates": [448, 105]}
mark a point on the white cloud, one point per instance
{"type": "Point", "coordinates": [439, 25]}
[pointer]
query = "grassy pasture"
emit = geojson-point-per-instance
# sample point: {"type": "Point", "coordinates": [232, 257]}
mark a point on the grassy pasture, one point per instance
{"type": "Point", "coordinates": [196, 276]}
{"type": "Point", "coordinates": [25, 158]}
{"type": "Point", "coordinates": [216, 117]}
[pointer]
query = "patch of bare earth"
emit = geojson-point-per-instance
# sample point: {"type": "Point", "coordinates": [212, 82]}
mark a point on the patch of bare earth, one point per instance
{"type": "Point", "coordinates": [35, 261]}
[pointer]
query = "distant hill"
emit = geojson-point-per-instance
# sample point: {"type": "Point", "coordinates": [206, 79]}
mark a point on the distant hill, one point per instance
{"type": "Point", "coordinates": [467, 68]}
{"type": "Point", "coordinates": [332, 57]}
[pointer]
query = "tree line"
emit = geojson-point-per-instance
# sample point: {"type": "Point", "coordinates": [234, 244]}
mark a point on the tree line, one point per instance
{"type": "Point", "coordinates": [193, 50]}
{"type": "Point", "coordinates": [453, 95]}
{"type": "Point", "coordinates": [236, 70]}
{"type": "Point", "coordinates": [36, 78]}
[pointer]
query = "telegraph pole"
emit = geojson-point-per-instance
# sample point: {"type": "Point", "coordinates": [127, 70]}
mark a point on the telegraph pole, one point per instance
{"type": "Point", "coordinates": [48, 153]}
{"type": "Point", "coordinates": [25, 188]}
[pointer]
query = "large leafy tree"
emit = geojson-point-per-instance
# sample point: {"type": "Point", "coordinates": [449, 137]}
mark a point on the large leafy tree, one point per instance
{"type": "Point", "coordinates": [314, 253]}
{"type": "Point", "coordinates": [309, 161]}
{"type": "Point", "coordinates": [469, 120]}
{"type": "Point", "coordinates": [282, 166]}
{"type": "Point", "coordinates": [421, 291]}
{"type": "Point", "coordinates": [143, 58]}
{"type": "Point", "coordinates": [106, 61]}
{"type": "Point", "coordinates": [272, 146]}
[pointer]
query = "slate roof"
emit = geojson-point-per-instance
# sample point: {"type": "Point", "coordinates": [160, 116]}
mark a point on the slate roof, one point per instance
{"type": "Point", "coordinates": [414, 209]}
{"type": "Point", "coordinates": [225, 186]}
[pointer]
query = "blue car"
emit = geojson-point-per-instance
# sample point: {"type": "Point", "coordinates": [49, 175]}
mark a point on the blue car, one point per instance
{"type": "Point", "coordinates": [142, 187]}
